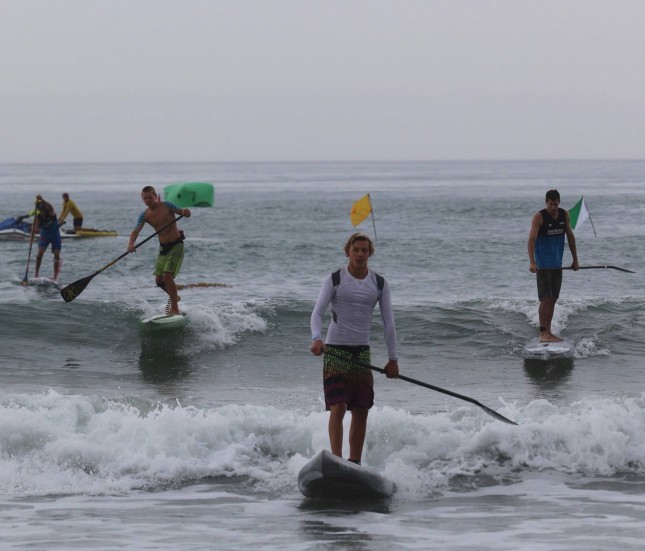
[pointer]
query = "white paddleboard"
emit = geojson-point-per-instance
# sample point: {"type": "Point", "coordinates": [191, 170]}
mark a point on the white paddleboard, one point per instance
{"type": "Point", "coordinates": [44, 282]}
{"type": "Point", "coordinates": [165, 321]}
{"type": "Point", "coordinates": [540, 350]}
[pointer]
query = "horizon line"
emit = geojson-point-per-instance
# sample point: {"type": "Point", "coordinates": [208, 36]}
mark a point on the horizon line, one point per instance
{"type": "Point", "coordinates": [336, 161]}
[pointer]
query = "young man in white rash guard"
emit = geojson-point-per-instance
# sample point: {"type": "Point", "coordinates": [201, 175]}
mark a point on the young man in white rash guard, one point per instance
{"type": "Point", "coordinates": [353, 292]}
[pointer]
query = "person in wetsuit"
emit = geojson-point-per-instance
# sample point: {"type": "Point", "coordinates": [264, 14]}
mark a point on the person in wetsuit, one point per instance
{"type": "Point", "coordinates": [546, 247]}
{"type": "Point", "coordinates": [353, 292]}
{"type": "Point", "coordinates": [171, 247]}
{"type": "Point", "coordinates": [46, 221]}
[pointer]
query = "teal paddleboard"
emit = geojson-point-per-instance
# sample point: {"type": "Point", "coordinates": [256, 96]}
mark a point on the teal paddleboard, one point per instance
{"type": "Point", "coordinates": [164, 321]}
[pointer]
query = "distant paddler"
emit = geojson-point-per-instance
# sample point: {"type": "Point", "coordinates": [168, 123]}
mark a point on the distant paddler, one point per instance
{"type": "Point", "coordinates": [45, 220]}
{"type": "Point", "coordinates": [69, 207]}
{"type": "Point", "coordinates": [546, 247]}
{"type": "Point", "coordinates": [171, 247]}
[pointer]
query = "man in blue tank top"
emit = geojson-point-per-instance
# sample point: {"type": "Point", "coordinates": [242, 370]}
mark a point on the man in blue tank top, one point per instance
{"type": "Point", "coordinates": [546, 247]}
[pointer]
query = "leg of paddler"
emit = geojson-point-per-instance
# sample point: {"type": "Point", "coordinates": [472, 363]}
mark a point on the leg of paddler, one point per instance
{"type": "Point", "coordinates": [357, 431]}
{"type": "Point", "coordinates": [57, 264]}
{"type": "Point", "coordinates": [39, 259]}
{"type": "Point", "coordinates": [335, 427]}
{"type": "Point", "coordinates": [171, 289]}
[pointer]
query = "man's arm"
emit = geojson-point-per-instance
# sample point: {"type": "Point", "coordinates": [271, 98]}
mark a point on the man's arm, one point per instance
{"type": "Point", "coordinates": [136, 231]}
{"type": "Point", "coordinates": [571, 240]}
{"type": "Point", "coordinates": [63, 213]}
{"type": "Point", "coordinates": [389, 332]}
{"type": "Point", "coordinates": [536, 222]}
{"type": "Point", "coordinates": [324, 298]}
{"type": "Point", "coordinates": [176, 210]}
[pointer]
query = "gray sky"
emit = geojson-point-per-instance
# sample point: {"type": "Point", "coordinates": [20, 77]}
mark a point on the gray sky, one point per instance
{"type": "Point", "coordinates": [229, 80]}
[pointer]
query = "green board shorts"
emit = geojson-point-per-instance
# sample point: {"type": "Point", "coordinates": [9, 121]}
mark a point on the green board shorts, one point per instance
{"type": "Point", "coordinates": [170, 262]}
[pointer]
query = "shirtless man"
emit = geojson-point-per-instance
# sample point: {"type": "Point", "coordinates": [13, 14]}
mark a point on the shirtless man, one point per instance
{"type": "Point", "coordinates": [171, 247]}
{"type": "Point", "coordinates": [545, 247]}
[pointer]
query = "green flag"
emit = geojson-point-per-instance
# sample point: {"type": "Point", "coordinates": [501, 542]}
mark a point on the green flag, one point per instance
{"type": "Point", "coordinates": [579, 213]}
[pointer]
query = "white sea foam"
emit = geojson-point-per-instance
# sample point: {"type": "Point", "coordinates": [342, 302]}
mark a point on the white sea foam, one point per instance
{"type": "Point", "coordinates": [214, 326]}
{"type": "Point", "coordinates": [588, 347]}
{"type": "Point", "coordinates": [56, 444]}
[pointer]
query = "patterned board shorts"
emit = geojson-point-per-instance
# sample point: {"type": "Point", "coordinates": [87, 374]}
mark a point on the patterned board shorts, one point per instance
{"type": "Point", "coordinates": [346, 382]}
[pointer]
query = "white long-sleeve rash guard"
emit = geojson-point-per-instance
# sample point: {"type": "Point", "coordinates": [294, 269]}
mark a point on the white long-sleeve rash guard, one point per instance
{"type": "Point", "coordinates": [353, 301]}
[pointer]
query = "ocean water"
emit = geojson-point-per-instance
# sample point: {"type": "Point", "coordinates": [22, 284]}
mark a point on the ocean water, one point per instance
{"type": "Point", "coordinates": [113, 438]}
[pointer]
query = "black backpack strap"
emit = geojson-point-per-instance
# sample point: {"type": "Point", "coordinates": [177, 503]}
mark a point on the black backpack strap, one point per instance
{"type": "Point", "coordinates": [335, 278]}
{"type": "Point", "coordinates": [380, 282]}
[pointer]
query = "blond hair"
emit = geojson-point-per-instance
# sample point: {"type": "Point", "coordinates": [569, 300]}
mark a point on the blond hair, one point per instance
{"type": "Point", "coordinates": [358, 236]}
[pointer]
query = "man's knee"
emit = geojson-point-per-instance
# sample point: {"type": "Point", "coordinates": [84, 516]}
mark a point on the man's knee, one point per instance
{"type": "Point", "coordinates": [337, 411]}
{"type": "Point", "coordinates": [160, 283]}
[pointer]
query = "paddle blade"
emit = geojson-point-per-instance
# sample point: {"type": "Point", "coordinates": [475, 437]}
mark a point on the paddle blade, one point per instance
{"type": "Point", "coordinates": [70, 292]}
{"type": "Point", "coordinates": [497, 416]}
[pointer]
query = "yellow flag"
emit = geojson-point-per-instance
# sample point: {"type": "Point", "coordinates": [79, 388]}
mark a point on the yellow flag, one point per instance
{"type": "Point", "coordinates": [360, 210]}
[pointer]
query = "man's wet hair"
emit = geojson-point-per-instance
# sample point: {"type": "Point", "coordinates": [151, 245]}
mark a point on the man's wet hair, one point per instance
{"type": "Point", "coordinates": [553, 195]}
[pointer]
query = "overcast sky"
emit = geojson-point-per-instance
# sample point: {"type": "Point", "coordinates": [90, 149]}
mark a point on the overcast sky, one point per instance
{"type": "Point", "coordinates": [237, 80]}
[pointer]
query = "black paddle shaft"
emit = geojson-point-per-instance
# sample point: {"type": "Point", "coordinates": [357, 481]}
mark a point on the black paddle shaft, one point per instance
{"type": "Point", "coordinates": [431, 387]}
{"type": "Point", "coordinates": [70, 292]}
{"type": "Point", "coordinates": [599, 267]}
{"type": "Point", "coordinates": [25, 280]}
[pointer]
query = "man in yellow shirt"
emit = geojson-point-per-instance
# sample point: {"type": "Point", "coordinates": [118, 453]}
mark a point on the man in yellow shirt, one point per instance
{"type": "Point", "coordinates": [69, 207]}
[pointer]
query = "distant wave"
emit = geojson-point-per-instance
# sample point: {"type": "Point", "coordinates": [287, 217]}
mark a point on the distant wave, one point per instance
{"type": "Point", "coordinates": [494, 325]}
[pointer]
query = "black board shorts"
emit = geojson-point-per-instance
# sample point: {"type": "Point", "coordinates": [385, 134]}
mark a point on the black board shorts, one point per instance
{"type": "Point", "coordinates": [549, 283]}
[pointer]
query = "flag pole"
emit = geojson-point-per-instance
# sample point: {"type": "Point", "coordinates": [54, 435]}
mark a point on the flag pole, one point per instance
{"type": "Point", "coordinates": [369, 197]}
{"type": "Point", "coordinates": [592, 226]}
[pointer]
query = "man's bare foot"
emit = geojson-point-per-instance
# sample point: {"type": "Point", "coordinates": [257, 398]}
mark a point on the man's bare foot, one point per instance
{"type": "Point", "coordinates": [169, 304]}
{"type": "Point", "coordinates": [553, 338]}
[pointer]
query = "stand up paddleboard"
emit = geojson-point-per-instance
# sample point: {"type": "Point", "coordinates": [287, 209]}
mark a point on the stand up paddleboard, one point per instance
{"type": "Point", "coordinates": [540, 350]}
{"type": "Point", "coordinates": [328, 476]}
{"type": "Point", "coordinates": [164, 321]}
{"type": "Point", "coordinates": [44, 282]}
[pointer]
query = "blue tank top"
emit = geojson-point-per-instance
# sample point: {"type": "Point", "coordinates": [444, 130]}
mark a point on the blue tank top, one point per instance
{"type": "Point", "coordinates": [549, 245]}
